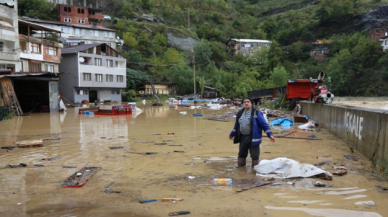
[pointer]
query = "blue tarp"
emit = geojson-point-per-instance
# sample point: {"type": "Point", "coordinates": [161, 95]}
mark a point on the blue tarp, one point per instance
{"type": "Point", "coordinates": [283, 122]}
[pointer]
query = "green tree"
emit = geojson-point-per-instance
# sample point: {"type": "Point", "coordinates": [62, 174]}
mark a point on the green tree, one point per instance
{"type": "Point", "coordinates": [182, 78]}
{"type": "Point", "coordinates": [36, 9]}
{"type": "Point", "coordinates": [279, 77]}
{"type": "Point", "coordinates": [135, 77]}
{"type": "Point", "coordinates": [130, 39]}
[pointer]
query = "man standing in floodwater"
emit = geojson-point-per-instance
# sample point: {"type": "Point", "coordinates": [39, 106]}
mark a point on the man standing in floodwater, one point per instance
{"type": "Point", "coordinates": [248, 131]}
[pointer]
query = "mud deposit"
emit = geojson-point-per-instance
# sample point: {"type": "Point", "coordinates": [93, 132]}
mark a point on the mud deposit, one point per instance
{"type": "Point", "coordinates": [195, 151]}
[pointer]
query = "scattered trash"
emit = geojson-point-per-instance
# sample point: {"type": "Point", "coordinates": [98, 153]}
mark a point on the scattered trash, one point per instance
{"type": "Point", "coordinates": [179, 151]}
{"type": "Point", "coordinates": [8, 147]}
{"type": "Point", "coordinates": [147, 200]}
{"type": "Point", "coordinates": [340, 172]}
{"type": "Point", "coordinates": [267, 152]}
{"type": "Point", "coordinates": [39, 165]}
{"type": "Point", "coordinates": [110, 191]}
{"type": "Point", "coordinates": [30, 143]}
{"type": "Point", "coordinates": [288, 168]}
{"type": "Point", "coordinates": [381, 188]}
{"type": "Point", "coordinates": [254, 186]}
{"type": "Point", "coordinates": [197, 115]}
{"type": "Point", "coordinates": [283, 122]}
{"type": "Point", "coordinates": [191, 178]}
{"type": "Point", "coordinates": [135, 152]}
{"type": "Point", "coordinates": [151, 153]}
{"type": "Point", "coordinates": [367, 203]}
{"type": "Point", "coordinates": [286, 134]}
{"type": "Point", "coordinates": [319, 184]}
{"type": "Point", "coordinates": [179, 213]}
{"type": "Point", "coordinates": [269, 179]}
{"type": "Point", "coordinates": [168, 141]}
{"type": "Point", "coordinates": [160, 143]}
{"type": "Point", "coordinates": [223, 181]}
{"type": "Point", "coordinates": [196, 158]}
{"type": "Point", "coordinates": [350, 157]}
{"type": "Point", "coordinates": [312, 137]}
{"type": "Point", "coordinates": [310, 124]}
{"type": "Point", "coordinates": [116, 147]}
{"type": "Point", "coordinates": [69, 166]}
{"type": "Point", "coordinates": [190, 164]}
{"type": "Point", "coordinates": [217, 159]}
{"type": "Point", "coordinates": [355, 197]}
{"type": "Point", "coordinates": [324, 157]}
{"type": "Point", "coordinates": [175, 145]}
{"type": "Point", "coordinates": [16, 166]}
{"type": "Point", "coordinates": [156, 134]}
{"type": "Point", "coordinates": [340, 168]}
{"type": "Point", "coordinates": [51, 159]}
{"type": "Point", "coordinates": [322, 163]}
{"type": "Point", "coordinates": [81, 177]}
{"type": "Point", "coordinates": [183, 113]}
{"type": "Point", "coordinates": [171, 199]}
{"type": "Point", "coordinates": [301, 119]}
{"type": "Point", "coordinates": [276, 183]}
{"type": "Point", "coordinates": [50, 138]}
{"type": "Point", "coordinates": [103, 137]}
{"type": "Point", "coordinates": [169, 133]}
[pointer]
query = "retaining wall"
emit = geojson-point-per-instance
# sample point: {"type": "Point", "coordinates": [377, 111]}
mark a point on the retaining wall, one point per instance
{"type": "Point", "coordinates": [363, 129]}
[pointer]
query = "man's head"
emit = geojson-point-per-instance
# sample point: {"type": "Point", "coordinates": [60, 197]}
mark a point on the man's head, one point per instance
{"type": "Point", "coordinates": [247, 103]}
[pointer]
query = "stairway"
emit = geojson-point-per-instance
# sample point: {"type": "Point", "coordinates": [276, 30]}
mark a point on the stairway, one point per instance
{"type": "Point", "coordinates": [9, 96]}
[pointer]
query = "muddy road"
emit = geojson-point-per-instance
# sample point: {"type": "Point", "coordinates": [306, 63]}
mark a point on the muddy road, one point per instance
{"type": "Point", "coordinates": [179, 165]}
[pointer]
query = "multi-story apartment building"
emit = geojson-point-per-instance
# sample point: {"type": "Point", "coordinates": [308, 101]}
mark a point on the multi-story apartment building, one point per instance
{"type": "Point", "coordinates": [76, 34]}
{"type": "Point", "coordinates": [79, 15]}
{"type": "Point", "coordinates": [247, 46]}
{"type": "Point", "coordinates": [9, 42]}
{"type": "Point", "coordinates": [92, 72]}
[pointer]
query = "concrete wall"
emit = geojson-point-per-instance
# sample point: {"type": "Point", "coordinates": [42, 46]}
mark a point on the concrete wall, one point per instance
{"type": "Point", "coordinates": [68, 78]}
{"type": "Point", "coordinates": [363, 129]}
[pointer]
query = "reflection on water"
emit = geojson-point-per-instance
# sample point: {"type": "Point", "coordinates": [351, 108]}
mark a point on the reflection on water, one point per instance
{"type": "Point", "coordinates": [85, 140]}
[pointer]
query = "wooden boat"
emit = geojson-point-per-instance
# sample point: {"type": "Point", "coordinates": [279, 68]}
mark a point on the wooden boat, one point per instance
{"type": "Point", "coordinates": [81, 177]}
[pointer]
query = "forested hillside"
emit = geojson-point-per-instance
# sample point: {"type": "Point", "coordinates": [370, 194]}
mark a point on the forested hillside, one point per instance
{"type": "Point", "coordinates": [356, 65]}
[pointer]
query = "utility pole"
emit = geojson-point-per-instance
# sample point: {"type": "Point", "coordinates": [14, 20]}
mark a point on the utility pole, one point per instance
{"type": "Point", "coordinates": [188, 18]}
{"type": "Point", "coordinates": [195, 92]}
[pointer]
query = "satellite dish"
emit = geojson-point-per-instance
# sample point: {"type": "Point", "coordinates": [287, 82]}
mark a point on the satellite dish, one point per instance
{"type": "Point", "coordinates": [10, 2]}
{"type": "Point", "coordinates": [81, 59]}
{"type": "Point", "coordinates": [118, 37]}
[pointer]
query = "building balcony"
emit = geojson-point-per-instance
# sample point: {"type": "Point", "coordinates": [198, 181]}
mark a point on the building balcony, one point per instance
{"type": "Point", "coordinates": [9, 56]}
{"type": "Point", "coordinates": [8, 34]}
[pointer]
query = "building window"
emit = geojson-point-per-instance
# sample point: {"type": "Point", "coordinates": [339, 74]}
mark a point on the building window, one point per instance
{"type": "Point", "coordinates": [52, 51]}
{"type": "Point", "coordinates": [67, 9]}
{"type": "Point", "coordinates": [120, 78]}
{"type": "Point", "coordinates": [65, 29]}
{"type": "Point", "coordinates": [87, 76]}
{"type": "Point", "coordinates": [91, 32]}
{"type": "Point", "coordinates": [81, 21]}
{"type": "Point", "coordinates": [82, 92]}
{"type": "Point", "coordinates": [49, 68]}
{"type": "Point", "coordinates": [84, 32]}
{"type": "Point", "coordinates": [109, 78]}
{"type": "Point", "coordinates": [115, 92]}
{"type": "Point", "coordinates": [35, 48]}
{"type": "Point", "coordinates": [117, 64]}
{"type": "Point", "coordinates": [34, 66]}
{"type": "Point", "coordinates": [67, 19]}
{"type": "Point", "coordinates": [110, 34]}
{"type": "Point", "coordinates": [109, 63]}
{"type": "Point", "coordinates": [95, 33]}
{"type": "Point", "coordinates": [105, 34]}
{"type": "Point", "coordinates": [98, 61]}
{"type": "Point", "coordinates": [81, 11]}
{"type": "Point", "coordinates": [98, 77]}
{"type": "Point", "coordinates": [1, 46]}
{"type": "Point", "coordinates": [77, 31]}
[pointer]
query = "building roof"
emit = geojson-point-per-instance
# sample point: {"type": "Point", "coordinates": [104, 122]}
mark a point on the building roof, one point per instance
{"type": "Point", "coordinates": [37, 26]}
{"type": "Point", "coordinates": [78, 48]}
{"type": "Point", "coordinates": [67, 24]}
{"type": "Point", "coordinates": [250, 40]}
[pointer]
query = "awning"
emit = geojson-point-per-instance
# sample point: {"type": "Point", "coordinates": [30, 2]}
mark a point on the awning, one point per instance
{"type": "Point", "coordinates": [73, 41]}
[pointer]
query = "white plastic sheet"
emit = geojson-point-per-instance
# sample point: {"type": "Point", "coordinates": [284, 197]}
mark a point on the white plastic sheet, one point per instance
{"type": "Point", "coordinates": [283, 167]}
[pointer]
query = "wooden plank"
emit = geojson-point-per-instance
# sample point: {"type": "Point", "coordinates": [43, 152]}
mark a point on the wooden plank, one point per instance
{"type": "Point", "coordinates": [30, 143]}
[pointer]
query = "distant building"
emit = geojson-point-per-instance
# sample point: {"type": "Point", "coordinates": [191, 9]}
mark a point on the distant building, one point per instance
{"type": "Point", "coordinates": [79, 15]}
{"type": "Point", "coordinates": [377, 33]}
{"type": "Point", "coordinates": [77, 34]}
{"type": "Point", "coordinates": [320, 53]}
{"type": "Point", "coordinates": [82, 3]}
{"type": "Point", "coordinates": [384, 43]}
{"type": "Point", "coordinates": [92, 72]}
{"type": "Point", "coordinates": [247, 46]}
{"type": "Point", "coordinates": [9, 40]}
{"type": "Point", "coordinates": [160, 89]}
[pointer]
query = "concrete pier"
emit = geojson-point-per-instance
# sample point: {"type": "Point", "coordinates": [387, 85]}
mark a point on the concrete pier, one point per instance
{"type": "Point", "coordinates": [363, 129]}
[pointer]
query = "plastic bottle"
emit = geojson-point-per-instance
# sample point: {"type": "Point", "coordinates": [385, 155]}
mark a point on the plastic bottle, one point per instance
{"type": "Point", "coordinates": [223, 181]}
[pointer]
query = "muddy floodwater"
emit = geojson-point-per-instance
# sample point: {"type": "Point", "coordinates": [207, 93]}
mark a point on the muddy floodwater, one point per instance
{"type": "Point", "coordinates": [179, 165]}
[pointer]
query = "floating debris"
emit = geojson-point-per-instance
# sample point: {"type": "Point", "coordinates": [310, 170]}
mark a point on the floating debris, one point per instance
{"type": "Point", "coordinates": [116, 147]}
{"type": "Point", "coordinates": [381, 188]}
{"type": "Point", "coordinates": [51, 159]}
{"type": "Point", "coordinates": [147, 200]}
{"type": "Point", "coordinates": [168, 141]}
{"type": "Point", "coordinates": [350, 157]}
{"type": "Point", "coordinates": [179, 213]}
{"type": "Point", "coordinates": [8, 147]}
{"type": "Point", "coordinates": [69, 166]}
{"type": "Point", "coordinates": [81, 177]}
{"type": "Point", "coordinates": [110, 191]}
{"type": "Point", "coordinates": [323, 163]}
{"type": "Point", "coordinates": [160, 143]}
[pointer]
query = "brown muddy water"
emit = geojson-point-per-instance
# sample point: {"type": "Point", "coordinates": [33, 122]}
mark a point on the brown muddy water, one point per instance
{"type": "Point", "coordinates": [37, 191]}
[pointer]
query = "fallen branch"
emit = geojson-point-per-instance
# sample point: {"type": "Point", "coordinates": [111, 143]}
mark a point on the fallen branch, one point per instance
{"type": "Point", "coordinates": [254, 186]}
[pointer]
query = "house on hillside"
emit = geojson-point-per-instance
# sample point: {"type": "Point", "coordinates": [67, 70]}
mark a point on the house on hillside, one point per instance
{"type": "Point", "coordinates": [377, 33]}
{"type": "Point", "coordinates": [77, 34]}
{"type": "Point", "coordinates": [384, 43]}
{"type": "Point", "coordinates": [160, 89]}
{"type": "Point", "coordinates": [246, 46]}
{"type": "Point", "coordinates": [320, 53]}
{"type": "Point", "coordinates": [92, 72]}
